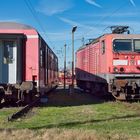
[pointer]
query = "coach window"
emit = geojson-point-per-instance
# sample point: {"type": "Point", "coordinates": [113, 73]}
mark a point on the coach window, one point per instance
{"type": "Point", "coordinates": [8, 52]}
{"type": "Point", "coordinates": [42, 57]}
{"type": "Point", "coordinates": [137, 45]}
{"type": "Point", "coordinates": [103, 47]}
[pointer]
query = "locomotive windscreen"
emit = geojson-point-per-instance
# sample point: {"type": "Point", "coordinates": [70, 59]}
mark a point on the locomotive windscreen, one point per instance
{"type": "Point", "coordinates": [137, 45]}
{"type": "Point", "coordinates": [122, 45]}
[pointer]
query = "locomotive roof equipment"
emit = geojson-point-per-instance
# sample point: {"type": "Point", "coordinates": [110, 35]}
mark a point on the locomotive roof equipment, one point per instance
{"type": "Point", "coordinates": [119, 29]}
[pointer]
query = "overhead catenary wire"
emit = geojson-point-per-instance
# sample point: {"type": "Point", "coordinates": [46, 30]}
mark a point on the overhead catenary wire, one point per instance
{"type": "Point", "coordinates": [34, 14]}
{"type": "Point", "coordinates": [100, 21]}
{"type": "Point", "coordinates": [105, 17]}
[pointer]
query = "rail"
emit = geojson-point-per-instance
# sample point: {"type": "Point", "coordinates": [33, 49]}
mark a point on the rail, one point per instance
{"type": "Point", "coordinates": [23, 111]}
{"type": "Point", "coordinates": [28, 107]}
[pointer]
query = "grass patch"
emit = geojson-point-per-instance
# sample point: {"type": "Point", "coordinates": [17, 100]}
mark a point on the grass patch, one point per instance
{"type": "Point", "coordinates": [116, 119]}
{"type": "Point", "coordinates": [59, 134]}
{"type": "Point", "coordinates": [4, 113]}
{"type": "Point", "coordinates": [74, 117]}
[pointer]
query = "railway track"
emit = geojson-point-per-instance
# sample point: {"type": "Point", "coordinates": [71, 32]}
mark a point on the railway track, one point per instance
{"type": "Point", "coordinates": [23, 110]}
{"type": "Point", "coordinates": [26, 109]}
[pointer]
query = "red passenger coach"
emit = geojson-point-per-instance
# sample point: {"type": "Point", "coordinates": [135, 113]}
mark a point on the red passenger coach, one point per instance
{"type": "Point", "coordinates": [111, 63]}
{"type": "Point", "coordinates": [27, 65]}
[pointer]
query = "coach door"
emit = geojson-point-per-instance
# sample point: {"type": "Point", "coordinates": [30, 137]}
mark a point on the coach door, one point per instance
{"type": "Point", "coordinates": [8, 59]}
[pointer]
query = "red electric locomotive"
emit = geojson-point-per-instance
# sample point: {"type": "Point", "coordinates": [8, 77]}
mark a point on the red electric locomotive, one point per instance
{"type": "Point", "coordinates": [28, 66]}
{"type": "Point", "coordinates": [111, 63]}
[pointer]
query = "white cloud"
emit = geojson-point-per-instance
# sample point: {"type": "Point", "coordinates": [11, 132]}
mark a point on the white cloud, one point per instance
{"type": "Point", "coordinates": [93, 3]}
{"type": "Point", "coordinates": [116, 15]}
{"type": "Point", "coordinates": [103, 27]}
{"type": "Point", "coordinates": [51, 7]}
{"type": "Point", "coordinates": [133, 3]}
{"type": "Point", "coordinates": [74, 23]}
{"type": "Point", "coordinates": [124, 22]}
{"type": "Point", "coordinates": [83, 30]}
{"type": "Point", "coordinates": [58, 35]}
{"type": "Point", "coordinates": [11, 20]}
{"type": "Point", "coordinates": [134, 25]}
{"type": "Point", "coordinates": [65, 36]}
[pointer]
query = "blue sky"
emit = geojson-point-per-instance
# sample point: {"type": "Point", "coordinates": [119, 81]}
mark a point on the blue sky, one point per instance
{"type": "Point", "coordinates": [57, 17]}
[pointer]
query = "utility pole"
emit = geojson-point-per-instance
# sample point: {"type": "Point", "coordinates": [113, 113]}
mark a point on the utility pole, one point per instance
{"type": "Point", "coordinates": [65, 66]}
{"type": "Point", "coordinates": [73, 30]}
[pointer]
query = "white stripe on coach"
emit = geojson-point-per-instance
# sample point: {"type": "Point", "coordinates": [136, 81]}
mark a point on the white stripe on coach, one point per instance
{"type": "Point", "coordinates": [32, 36]}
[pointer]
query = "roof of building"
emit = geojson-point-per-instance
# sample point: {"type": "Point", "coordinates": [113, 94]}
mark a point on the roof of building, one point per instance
{"type": "Point", "coordinates": [14, 25]}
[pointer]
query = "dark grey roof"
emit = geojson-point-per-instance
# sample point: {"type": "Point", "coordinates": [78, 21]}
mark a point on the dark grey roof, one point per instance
{"type": "Point", "coordinates": [14, 25]}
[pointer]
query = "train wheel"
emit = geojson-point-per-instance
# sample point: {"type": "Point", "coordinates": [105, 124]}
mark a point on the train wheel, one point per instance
{"type": "Point", "coordinates": [2, 94]}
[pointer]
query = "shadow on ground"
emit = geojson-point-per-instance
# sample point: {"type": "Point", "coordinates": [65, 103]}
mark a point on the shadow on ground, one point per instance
{"type": "Point", "coordinates": [61, 97]}
{"type": "Point", "coordinates": [77, 123]}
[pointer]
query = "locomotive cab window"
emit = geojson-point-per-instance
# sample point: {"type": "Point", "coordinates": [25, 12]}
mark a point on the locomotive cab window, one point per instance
{"type": "Point", "coordinates": [137, 45]}
{"type": "Point", "coordinates": [122, 45]}
{"type": "Point", "coordinates": [103, 47]}
{"type": "Point", "coordinates": [42, 57]}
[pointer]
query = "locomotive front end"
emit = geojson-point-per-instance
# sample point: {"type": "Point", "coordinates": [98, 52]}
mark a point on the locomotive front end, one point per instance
{"type": "Point", "coordinates": [125, 81]}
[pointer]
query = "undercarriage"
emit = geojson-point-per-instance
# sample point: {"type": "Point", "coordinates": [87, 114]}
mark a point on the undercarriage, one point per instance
{"type": "Point", "coordinates": [22, 93]}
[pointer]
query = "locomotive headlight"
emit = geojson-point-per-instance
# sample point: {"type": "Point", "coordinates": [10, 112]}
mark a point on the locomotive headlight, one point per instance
{"type": "Point", "coordinates": [121, 69]}
{"type": "Point", "coordinates": [132, 57]}
{"type": "Point", "coordinates": [116, 69]}
{"type": "Point", "coordinates": [125, 56]}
